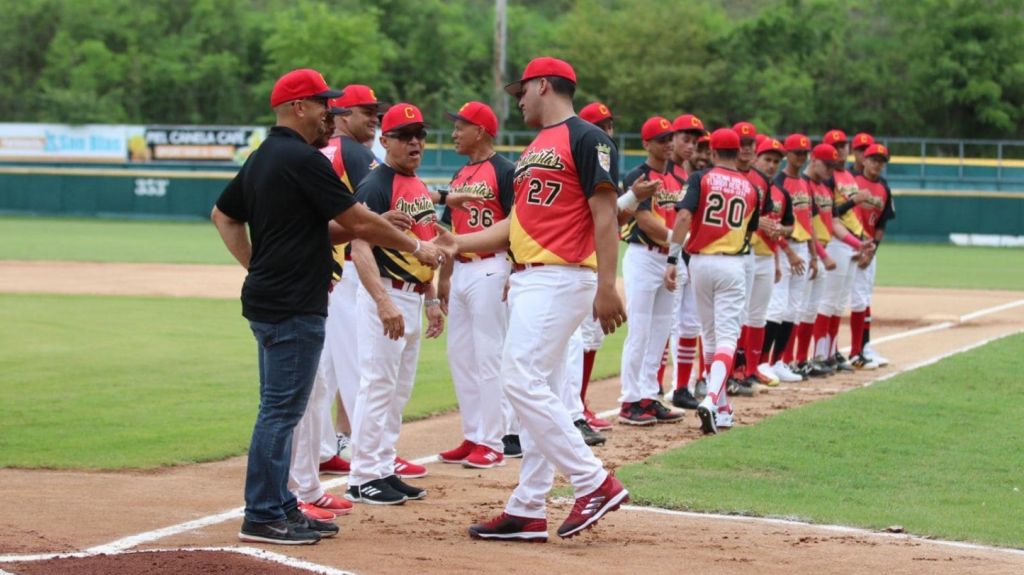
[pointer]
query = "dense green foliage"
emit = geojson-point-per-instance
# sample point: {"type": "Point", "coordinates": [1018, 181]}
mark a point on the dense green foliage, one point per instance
{"type": "Point", "coordinates": [952, 68]}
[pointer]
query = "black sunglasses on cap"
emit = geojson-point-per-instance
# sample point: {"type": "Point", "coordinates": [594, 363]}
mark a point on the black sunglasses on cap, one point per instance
{"type": "Point", "coordinates": [407, 135]}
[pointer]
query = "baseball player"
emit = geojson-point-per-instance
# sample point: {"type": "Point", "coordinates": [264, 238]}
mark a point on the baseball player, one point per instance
{"type": "Point", "coordinates": [352, 161]}
{"type": "Point", "coordinates": [471, 289]}
{"type": "Point", "coordinates": [874, 215]}
{"type": "Point", "coordinates": [788, 294]}
{"type": "Point", "coordinates": [776, 207]}
{"type": "Point", "coordinates": [850, 245]}
{"type": "Point", "coordinates": [648, 301]}
{"type": "Point", "coordinates": [861, 142]}
{"type": "Point", "coordinates": [688, 130]}
{"type": "Point", "coordinates": [390, 307]}
{"type": "Point", "coordinates": [720, 212]}
{"type": "Point", "coordinates": [562, 230]}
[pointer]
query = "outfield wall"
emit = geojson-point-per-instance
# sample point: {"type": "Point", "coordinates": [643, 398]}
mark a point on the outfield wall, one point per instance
{"type": "Point", "coordinates": [188, 193]}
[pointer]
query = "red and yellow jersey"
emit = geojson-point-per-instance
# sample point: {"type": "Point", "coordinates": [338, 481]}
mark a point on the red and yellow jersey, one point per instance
{"type": "Point", "coordinates": [555, 177]}
{"type": "Point", "coordinates": [844, 187]}
{"type": "Point", "coordinates": [385, 190]}
{"type": "Point", "coordinates": [679, 172]}
{"type": "Point", "coordinates": [725, 211]}
{"type": "Point", "coordinates": [333, 152]}
{"type": "Point", "coordinates": [760, 243]}
{"type": "Point", "coordinates": [778, 209]}
{"type": "Point", "coordinates": [823, 215]}
{"type": "Point", "coordinates": [802, 206]}
{"type": "Point", "coordinates": [876, 212]}
{"type": "Point", "coordinates": [662, 205]}
{"type": "Point", "coordinates": [490, 181]}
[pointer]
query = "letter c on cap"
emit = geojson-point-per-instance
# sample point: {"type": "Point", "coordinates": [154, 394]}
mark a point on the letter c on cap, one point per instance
{"type": "Point", "coordinates": [745, 129]}
{"type": "Point", "coordinates": [464, 106]}
{"type": "Point", "coordinates": [804, 142]}
{"type": "Point", "coordinates": [694, 121]}
{"type": "Point", "coordinates": [603, 109]}
{"type": "Point", "coordinates": [372, 95]}
{"type": "Point", "coordinates": [664, 123]}
{"type": "Point", "coordinates": [409, 113]}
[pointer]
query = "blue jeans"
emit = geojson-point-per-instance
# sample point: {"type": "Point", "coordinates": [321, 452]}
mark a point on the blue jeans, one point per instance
{"type": "Point", "coordinates": [289, 353]}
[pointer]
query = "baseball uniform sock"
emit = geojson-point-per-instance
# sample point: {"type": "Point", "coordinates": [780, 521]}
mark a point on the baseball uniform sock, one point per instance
{"type": "Point", "coordinates": [833, 334]}
{"type": "Point", "coordinates": [685, 356]}
{"type": "Point", "coordinates": [702, 363]}
{"type": "Point", "coordinates": [771, 330]}
{"type": "Point", "coordinates": [804, 332]}
{"type": "Point", "coordinates": [867, 327]}
{"type": "Point", "coordinates": [721, 364]}
{"type": "Point", "coordinates": [755, 340]}
{"type": "Point", "coordinates": [661, 369]}
{"type": "Point", "coordinates": [821, 341]}
{"type": "Point", "coordinates": [781, 344]}
{"type": "Point", "coordinates": [856, 332]}
{"type": "Point", "coordinates": [739, 359]}
{"type": "Point", "coordinates": [788, 351]}
{"type": "Point", "coordinates": [588, 368]}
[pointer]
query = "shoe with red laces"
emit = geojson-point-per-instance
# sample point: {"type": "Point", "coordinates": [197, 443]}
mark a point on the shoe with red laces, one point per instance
{"type": "Point", "coordinates": [335, 505]}
{"type": "Point", "coordinates": [335, 466]}
{"type": "Point", "coordinates": [315, 513]}
{"type": "Point", "coordinates": [595, 422]}
{"type": "Point", "coordinates": [590, 508]}
{"type": "Point", "coordinates": [484, 457]}
{"type": "Point", "coordinates": [409, 470]}
{"type": "Point", "coordinates": [458, 454]}
{"type": "Point", "coordinates": [507, 527]}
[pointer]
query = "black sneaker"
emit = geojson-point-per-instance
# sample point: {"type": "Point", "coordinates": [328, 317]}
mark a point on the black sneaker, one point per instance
{"type": "Point", "coordinates": [661, 413]}
{"type": "Point", "coordinates": [590, 436]}
{"type": "Point", "coordinates": [738, 388]}
{"type": "Point", "coordinates": [683, 399]}
{"type": "Point", "coordinates": [751, 383]}
{"type": "Point", "coordinates": [842, 364]}
{"type": "Point", "coordinates": [700, 389]}
{"type": "Point", "coordinates": [404, 488]}
{"type": "Point", "coordinates": [512, 448]}
{"type": "Point", "coordinates": [810, 369]}
{"type": "Point", "coordinates": [296, 520]}
{"type": "Point", "coordinates": [277, 532]}
{"type": "Point", "coordinates": [376, 492]}
{"type": "Point", "coordinates": [634, 413]}
{"type": "Point", "coordinates": [824, 366]}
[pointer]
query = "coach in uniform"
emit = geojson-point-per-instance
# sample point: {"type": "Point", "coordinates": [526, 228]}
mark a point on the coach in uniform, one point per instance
{"type": "Point", "coordinates": [288, 194]}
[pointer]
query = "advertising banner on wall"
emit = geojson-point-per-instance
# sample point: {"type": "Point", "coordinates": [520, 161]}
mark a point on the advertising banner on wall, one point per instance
{"type": "Point", "coordinates": [195, 143]}
{"type": "Point", "coordinates": [62, 143]}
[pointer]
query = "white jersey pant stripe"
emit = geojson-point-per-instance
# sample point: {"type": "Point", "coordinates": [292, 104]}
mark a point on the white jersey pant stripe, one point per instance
{"type": "Point", "coordinates": [838, 281]}
{"type": "Point", "coordinates": [341, 345]}
{"type": "Point", "coordinates": [863, 286]}
{"type": "Point", "coordinates": [546, 305]}
{"type": "Point", "coordinates": [761, 289]}
{"type": "Point", "coordinates": [477, 322]}
{"type": "Point", "coordinates": [388, 369]}
{"type": "Point", "coordinates": [649, 309]}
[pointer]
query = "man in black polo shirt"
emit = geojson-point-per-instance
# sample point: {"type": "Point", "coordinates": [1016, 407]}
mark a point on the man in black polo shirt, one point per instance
{"type": "Point", "coordinates": [288, 194]}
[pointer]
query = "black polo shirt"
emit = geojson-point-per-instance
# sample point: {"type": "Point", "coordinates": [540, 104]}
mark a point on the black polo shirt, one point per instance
{"type": "Point", "coordinates": [286, 191]}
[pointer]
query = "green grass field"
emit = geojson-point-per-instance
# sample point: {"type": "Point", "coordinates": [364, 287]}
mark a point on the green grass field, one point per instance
{"type": "Point", "coordinates": [936, 450]}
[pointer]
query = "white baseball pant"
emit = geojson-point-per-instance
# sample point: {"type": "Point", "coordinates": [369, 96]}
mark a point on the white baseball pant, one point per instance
{"type": "Point", "coordinates": [649, 309]}
{"type": "Point", "coordinates": [572, 384]}
{"type": "Point", "coordinates": [546, 305]}
{"type": "Point", "coordinates": [687, 319]}
{"type": "Point", "coordinates": [863, 286]}
{"type": "Point", "coordinates": [388, 370]}
{"type": "Point", "coordinates": [759, 290]}
{"type": "Point", "coordinates": [593, 335]}
{"type": "Point", "coordinates": [304, 472]}
{"type": "Point", "coordinates": [341, 345]}
{"type": "Point", "coordinates": [838, 281]}
{"type": "Point", "coordinates": [477, 321]}
{"type": "Point", "coordinates": [720, 289]}
{"type": "Point", "coordinates": [813, 290]}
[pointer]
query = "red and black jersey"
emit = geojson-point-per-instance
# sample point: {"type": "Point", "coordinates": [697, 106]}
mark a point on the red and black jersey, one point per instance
{"type": "Point", "coordinates": [844, 188]}
{"type": "Point", "coordinates": [679, 172]}
{"type": "Point", "coordinates": [555, 177]}
{"type": "Point", "coordinates": [822, 196]}
{"type": "Point", "coordinates": [725, 208]}
{"type": "Point", "coordinates": [352, 161]}
{"type": "Point", "coordinates": [763, 185]}
{"type": "Point", "coordinates": [662, 205]}
{"type": "Point", "coordinates": [800, 200]}
{"type": "Point", "coordinates": [490, 181]}
{"type": "Point", "coordinates": [385, 190]}
{"type": "Point", "coordinates": [779, 209]}
{"type": "Point", "coordinates": [876, 212]}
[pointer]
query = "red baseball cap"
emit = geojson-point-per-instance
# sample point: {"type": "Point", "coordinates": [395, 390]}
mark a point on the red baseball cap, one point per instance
{"type": "Point", "coordinates": [835, 137]}
{"type": "Point", "coordinates": [595, 112]}
{"type": "Point", "coordinates": [655, 127]}
{"type": "Point", "coordinates": [478, 114]}
{"type": "Point", "coordinates": [400, 116]}
{"type": "Point", "coordinates": [797, 143]}
{"type": "Point", "coordinates": [770, 145]}
{"type": "Point", "coordinates": [688, 123]}
{"type": "Point", "coordinates": [540, 67]}
{"type": "Point", "coordinates": [357, 95]}
{"type": "Point", "coordinates": [725, 139]}
{"type": "Point", "coordinates": [862, 140]}
{"type": "Point", "coordinates": [760, 138]}
{"type": "Point", "coordinates": [826, 153]}
{"type": "Point", "coordinates": [745, 130]}
{"type": "Point", "coordinates": [705, 138]}
{"type": "Point", "coordinates": [299, 84]}
{"type": "Point", "coordinates": [877, 150]}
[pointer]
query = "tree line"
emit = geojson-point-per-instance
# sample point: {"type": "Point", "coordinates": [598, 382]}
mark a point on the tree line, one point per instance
{"type": "Point", "coordinates": [934, 68]}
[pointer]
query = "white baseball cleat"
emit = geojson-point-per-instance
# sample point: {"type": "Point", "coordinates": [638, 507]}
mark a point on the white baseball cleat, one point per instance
{"type": "Point", "coordinates": [784, 373]}
{"type": "Point", "coordinates": [767, 376]}
{"type": "Point", "coordinates": [723, 419]}
{"type": "Point", "coordinates": [873, 355]}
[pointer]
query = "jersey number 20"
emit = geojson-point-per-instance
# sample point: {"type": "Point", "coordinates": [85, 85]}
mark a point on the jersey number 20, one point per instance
{"type": "Point", "coordinates": [718, 207]}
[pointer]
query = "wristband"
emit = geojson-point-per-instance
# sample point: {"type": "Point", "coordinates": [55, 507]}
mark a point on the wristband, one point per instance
{"type": "Point", "coordinates": [675, 250]}
{"type": "Point", "coordinates": [673, 260]}
{"type": "Point", "coordinates": [627, 202]}
{"type": "Point", "coordinates": [851, 241]}
{"type": "Point", "coordinates": [431, 302]}
{"type": "Point", "coordinates": [443, 193]}
{"type": "Point", "coordinates": [821, 250]}
{"type": "Point", "coordinates": [418, 246]}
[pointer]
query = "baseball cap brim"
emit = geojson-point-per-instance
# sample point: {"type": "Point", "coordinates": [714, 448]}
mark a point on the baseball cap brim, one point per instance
{"type": "Point", "coordinates": [328, 94]}
{"type": "Point", "coordinates": [514, 88]}
{"type": "Point", "coordinates": [339, 111]}
{"type": "Point", "coordinates": [401, 127]}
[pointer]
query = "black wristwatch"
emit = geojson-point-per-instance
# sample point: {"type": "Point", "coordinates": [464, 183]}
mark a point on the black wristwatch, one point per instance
{"type": "Point", "coordinates": [443, 192]}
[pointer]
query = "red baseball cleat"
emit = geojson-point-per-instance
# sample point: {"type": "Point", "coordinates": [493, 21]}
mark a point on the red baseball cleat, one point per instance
{"type": "Point", "coordinates": [335, 505]}
{"type": "Point", "coordinates": [507, 527]}
{"type": "Point", "coordinates": [590, 508]}
{"type": "Point", "coordinates": [596, 423]}
{"type": "Point", "coordinates": [315, 513]}
{"type": "Point", "coordinates": [335, 466]}
{"type": "Point", "coordinates": [458, 454]}
{"type": "Point", "coordinates": [408, 470]}
{"type": "Point", "coordinates": [484, 457]}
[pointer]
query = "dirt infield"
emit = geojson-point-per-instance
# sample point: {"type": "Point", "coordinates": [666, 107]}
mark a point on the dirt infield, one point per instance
{"type": "Point", "coordinates": [65, 511]}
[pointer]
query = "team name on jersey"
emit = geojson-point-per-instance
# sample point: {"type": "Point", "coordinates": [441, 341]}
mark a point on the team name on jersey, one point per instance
{"type": "Point", "coordinates": [418, 208]}
{"type": "Point", "coordinates": [478, 189]}
{"type": "Point", "coordinates": [547, 158]}
{"type": "Point", "coordinates": [727, 184]}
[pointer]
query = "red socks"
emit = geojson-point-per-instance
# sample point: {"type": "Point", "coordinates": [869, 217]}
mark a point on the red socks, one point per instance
{"type": "Point", "coordinates": [857, 332]}
{"type": "Point", "coordinates": [754, 343]}
{"type": "Point", "coordinates": [803, 336]}
{"type": "Point", "coordinates": [588, 368]}
{"type": "Point", "coordinates": [664, 363]}
{"type": "Point", "coordinates": [833, 334]}
{"type": "Point", "coordinates": [685, 355]}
